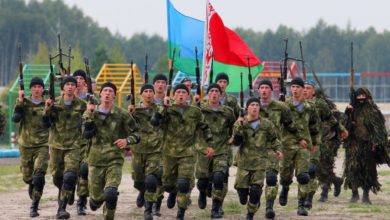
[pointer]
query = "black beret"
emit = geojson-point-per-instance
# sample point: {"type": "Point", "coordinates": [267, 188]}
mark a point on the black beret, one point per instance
{"type": "Point", "coordinates": [181, 86]}
{"type": "Point", "coordinates": [80, 73]}
{"type": "Point", "coordinates": [108, 84]}
{"type": "Point", "coordinates": [214, 85]}
{"type": "Point", "coordinates": [147, 86]}
{"type": "Point", "coordinates": [68, 79]}
{"type": "Point", "coordinates": [253, 99]}
{"type": "Point", "coordinates": [160, 77]}
{"type": "Point", "coordinates": [298, 81]}
{"type": "Point", "coordinates": [36, 81]}
{"type": "Point", "coordinates": [222, 76]}
{"type": "Point", "coordinates": [266, 82]}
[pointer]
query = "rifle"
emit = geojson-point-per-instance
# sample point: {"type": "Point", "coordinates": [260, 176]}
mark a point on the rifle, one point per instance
{"type": "Point", "coordinates": [62, 71]}
{"type": "Point", "coordinates": [303, 61]}
{"type": "Point", "coordinates": [283, 75]}
{"type": "Point", "coordinates": [250, 78]}
{"type": "Point", "coordinates": [352, 94]}
{"type": "Point", "coordinates": [90, 95]}
{"type": "Point", "coordinates": [52, 80]}
{"type": "Point", "coordinates": [131, 97]}
{"type": "Point", "coordinates": [211, 69]}
{"type": "Point", "coordinates": [146, 69]}
{"type": "Point", "coordinates": [69, 59]}
{"type": "Point", "coordinates": [171, 69]}
{"type": "Point", "coordinates": [197, 72]}
{"type": "Point", "coordinates": [21, 82]}
{"type": "Point", "coordinates": [242, 111]}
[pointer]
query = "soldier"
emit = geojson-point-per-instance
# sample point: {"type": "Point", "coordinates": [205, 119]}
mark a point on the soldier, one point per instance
{"type": "Point", "coordinates": [178, 150]}
{"type": "Point", "coordinates": [280, 115]}
{"type": "Point", "coordinates": [146, 154]}
{"type": "Point", "coordinates": [33, 141]}
{"type": "Point", "coordinates": [365, 147]}
{"type": "Point", "coordinates": [326, 120]}
{"type": "Point", "coordinates": [160, 87]}
{"type": "Point", "coordinates": [82, 181]}
{"type": "Point", "coordinates": [188, 82]}
{"type": "Point", "coordinates": [106, 153]}
{"type": "Point", "coordinates": [2, 121]}
{"type": "Point", "coordinates": [64, 117]}
{"type": "Point", "coordinates": [297, 154]}
{"type": "Point", "coordinates": [257, 137]}
{"type": "Point", "coordinates": [220, 119]}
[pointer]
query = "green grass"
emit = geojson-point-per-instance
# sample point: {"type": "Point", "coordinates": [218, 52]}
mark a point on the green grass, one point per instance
{"type": "Point", "coordinates": [10, 178]}
{"type": "Point", "coordinates": [233, 207]}
{"type": "Point", "coordinates": [384, 173]}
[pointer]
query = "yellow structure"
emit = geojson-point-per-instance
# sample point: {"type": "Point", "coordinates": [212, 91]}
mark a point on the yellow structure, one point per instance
{"type": "Point", "coordinates": [120, 75]}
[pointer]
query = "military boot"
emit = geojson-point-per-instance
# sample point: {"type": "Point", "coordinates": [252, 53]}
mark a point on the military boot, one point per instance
{"type": "Point", "coordinates": [157, 207]}
{"type": "Point", "coordinates": [366, 197]}
{"type": "Point", "coordinates": [180, 214]}
{"type": "Point", "coordinates": [30, 189]}
{"type": "Point", "coordinates": [269, 209]}
{"type": "Point", "coordinates": [94, 205]}
{"type": "Point", "coordinates": [309, 200]}
{"type": "Point", "coordinates": [249, 216]}
{"type": "Point", "coordinates": [61, 212]}
{"type": "Point", "coordinates": [337, 182]}
{"type": "Point", "coordinates": [301, 207]}
{"type": "Point", "coordinates": [140, 199]}
{"type": "Point", "coordinates": [171, 201]}
{"type": "Point", "coordinates": [202, 199]}
{"type": "Point", "coordinates": [324, 194]}
{"type": "Point", "coordinates": [82, 205]}
{"type": "Point", "coordinates": [355, 196]}
{"type": "Point", "coordinates": [283, 196]}
{"type": "Point", "coordinates": [34, 208]}
{"type": "Point", "coordinates": [148, 211]}
{"type": "Point", "coordinates": [215, 209]}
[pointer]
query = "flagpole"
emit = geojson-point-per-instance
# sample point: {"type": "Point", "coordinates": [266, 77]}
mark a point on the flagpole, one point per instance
{"type": "Point", "coordinates": [205, 69]}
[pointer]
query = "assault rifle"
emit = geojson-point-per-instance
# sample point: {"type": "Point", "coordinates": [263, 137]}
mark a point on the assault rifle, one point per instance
{"type": "Point", "coordinates": [197, 72]}
{"type": "Point", "coordinates": [250, 78]}
{"type": "Point", "coordinates": [146, 69]}
{"type": "Point", "coordinates": [90, 95]}
{"type": "Point", "coordinates": [171, 69]}
{"type": "Point", "coordinates": [21, 81]}
{"type": "Point", "coordinates": [131, 97]}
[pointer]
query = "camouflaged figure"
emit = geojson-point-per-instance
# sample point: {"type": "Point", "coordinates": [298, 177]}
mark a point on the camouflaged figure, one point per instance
{"type": "Point", "coordinates": [179, 123]}
{"type": "Point", "coordinates": [33, 146]}
{"type": "Point", "coordinates": [64, 118]}
{"type": "Point", "coordinates": [146, 158]}
{"type": "Point", "coordinates": [257, 140]}
{"type": "Point", "coordinates": [2, 122]}
{"type": "Point", "coordinates": [212, 173]}
{"type": "Point", "coordinates": [105, 159]}
{"type": "Point", "coordinates": [366, 146]}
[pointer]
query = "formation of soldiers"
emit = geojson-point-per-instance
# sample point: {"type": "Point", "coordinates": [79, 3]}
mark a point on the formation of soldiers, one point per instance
{"type": "Point", "coordinates": [181, 142]}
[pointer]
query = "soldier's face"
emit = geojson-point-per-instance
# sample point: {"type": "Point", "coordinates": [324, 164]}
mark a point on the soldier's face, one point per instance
{"type": "Point", "coordinates": [107, 94]}
{"type": "Point", "coordinates": [361, 96]}
{"type": "Point", "coordinates": [296, 91]}
{"type": "Point", "coordinates": [181, 96]}
{"type": "Point", "coordinates": [308, 91]}
{"type": "Point", "coordinates": [80, 81]}
{"type": "Point", "coordinates": [147, 95]}
{"type": "Point", "coordinates": [69, 88]}
{"type": "Point", "coordinates": [223, 84]}
{"type": "Point", "coordinates": [253, 109]}
{"type": "Point", "coordinates": [160, 86]}
{"type": "Point", "coordinates": [214, 95]}
{"type": "Point", "coordinates": [36, 91]}
{"type": "Point", "coordinates": [264, 91]}
{"type": "Point", "coordinates": [188, 84]}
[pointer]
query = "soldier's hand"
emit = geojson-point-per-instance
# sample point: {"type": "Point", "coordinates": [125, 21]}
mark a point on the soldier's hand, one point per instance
{"type": "Point", "coordinates": [48, 104]}
{"type": "Point", "coordinates": [209, 152]}
{"type": "Point", "coordinates": [303, 143]}
{"type": "Point", "coordinates": [167, 101]}
{"type": "Point", "coordinates": [21, 95]}
{"type": "Point", "coordinates": [130, 108]}
{"type": "Point", "coordinates": [349, 106]}
{"type": "Point", "coordinates": [344, 135]}
{"type": "Point", "coordinates": [240, 120]}
{"type": "Point", "coordinates": [230, 141]}
{"type": "Point", "coordinates": [91, 107]}
{"type": "Point", "coordinates": [279, 155]}
{"type": "Point", "coordinates": [121, 143]}
{"type": "Point", "coordinates": [196, 99]}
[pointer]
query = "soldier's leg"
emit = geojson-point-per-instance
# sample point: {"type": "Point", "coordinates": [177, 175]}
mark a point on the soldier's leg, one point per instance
{"type": "Point", "coordinates": [242, 185]}
{"type": "Point", "coordinates": [152, 170]}
{"type": "Point", "coordinates": [255, 191]}
{"type": "Point", "coordinates": [337, 181]}
{"type": "Point", "coordinates": [138, 164]}
{"type": "Point", "coordinates": [286, 174]}
{"type": "Point", "coordinates": [113, 179]}
{"type": "Point", "coordinates": [203, 175]}
{"type": "Point", "coordinates": [40, 157]}
{"type": "Point", "coordinates": [27, 168]}
{"type": "Point", "coordinates": [82, 188]}
{"type": "Point", "coordinates": [303, 178]}
{"type": "Point", "coordinates": [169, 179]}
{"type": "Point", "coordinates": [313, 183]}
{"type": "Point", "coordinates": [271, 190]}
{"type": "Point", "coordinates": [57, 166]}
{"type": "Point", "coordinates": [159, 192]}
{"type": "Point", "coordinates": [185, 173]}
{"type": "Point", "coordinates": [220, 167]}
{"type": "Point", "coordinates": [96, 183]}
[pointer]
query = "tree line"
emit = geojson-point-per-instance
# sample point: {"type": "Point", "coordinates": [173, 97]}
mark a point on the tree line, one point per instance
{"type": "Point", "coordinates": [36, 23]}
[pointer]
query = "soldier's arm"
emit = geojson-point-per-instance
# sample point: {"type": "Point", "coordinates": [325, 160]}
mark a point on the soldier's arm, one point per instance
{"type": "Point", "coordinates": [159, 116]}
{"type": "Point", "coordinates": [314, 127]}
{"type": "Point", "coordinates": [89, 129]}
{"type": "Point", "coordinates": [326, 114]}
{"type": "Point", "coordinates": [273, 138]}
{"type": "Point", "coordinates": [132, 131]}
{"type": "Point", "coordinates": [206, 131]}
{"type": "Point", "coordinates": [288, 123]}
{"type": "Point", "coordinates": [18, 111]}
{"type": "Point", "coordinates": [238, 134]}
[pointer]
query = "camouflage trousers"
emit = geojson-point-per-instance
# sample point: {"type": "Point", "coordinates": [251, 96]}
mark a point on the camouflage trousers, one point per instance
{"type": "Point", "coordinates": [205, 167]}
{"type": "Point", "coordinates": [178, 168]}
{"type": "Point", "coordinates": [82, 184]}
{"type": "Point", "coordinates": [246, 178]}
{"type": "Point", "coordinates": [62, 161]}
{"type": "Point", "coordinates": [295, 159]}
{"type": "Point", "coordinates": [33, 160]}
{"type": "Point", "coordinates": [314, 160]}
{"type": "Point", "coordinates": [144, 165]}
{"type": "Point", "coordinates": [328, 154]}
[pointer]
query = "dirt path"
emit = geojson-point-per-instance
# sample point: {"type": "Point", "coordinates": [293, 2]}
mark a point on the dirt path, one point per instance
{"type": "Point", "coordinates": [15, 205]}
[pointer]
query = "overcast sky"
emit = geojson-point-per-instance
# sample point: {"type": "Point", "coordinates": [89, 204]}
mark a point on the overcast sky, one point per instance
{"type": "Point", "coordinates": [131, 16]}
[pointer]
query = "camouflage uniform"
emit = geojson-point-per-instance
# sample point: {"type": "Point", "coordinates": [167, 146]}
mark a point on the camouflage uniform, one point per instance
{"type": "Point", "coordinates": [297, 158]}
{"type": "Point", "coordinates": [105, 159]}
{"type": "Point", "coordinates": [33, 145]}
{"type": "Point", "coordinates": [147, 154]}
{"type": "Point", "coordinates": [2, 122]}
{"type": "Point", "coordinates": [214, 170]}
{"type": "Point", "coordinates": [259, 140]}
{"type": "Point", "coordinates": [179, 124]}
{"type": "Point", "coordinates": [65, 141]}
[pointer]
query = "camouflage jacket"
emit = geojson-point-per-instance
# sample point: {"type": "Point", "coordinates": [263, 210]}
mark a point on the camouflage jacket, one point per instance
{"type": "Point", "coordinates": [221, 123]}
{"type": "Point", "coordinates": [65, 124]}
{"type": "Point", "coordinates": [2, 122]}
{"type": "Point", "coordinates": [105, 130]}
{"type": "Point", "coordinates": [151, 136]}
{"type": "Point", "coordinates": [257, 144]}
{"type": "Point", "coordinates": [279, 114]}
{"type": "Point", "coordinates": [307, 123]}
{"type": "Point", "coordinates": [180, 130]}
{"type": "Point", "coordinates": [32, 133]}
{"type": "Point", "coordinates": [232, 102]}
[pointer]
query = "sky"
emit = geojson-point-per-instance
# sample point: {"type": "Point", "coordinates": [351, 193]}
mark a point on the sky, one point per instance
{"type": "Point", "coordinates": [128, 17]}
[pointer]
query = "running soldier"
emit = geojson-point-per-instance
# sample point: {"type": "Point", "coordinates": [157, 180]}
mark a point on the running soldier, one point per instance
{"type": "Point", "coordinates": [33, 141]}
{"type": "Point", "coordinates": [106, 154]}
